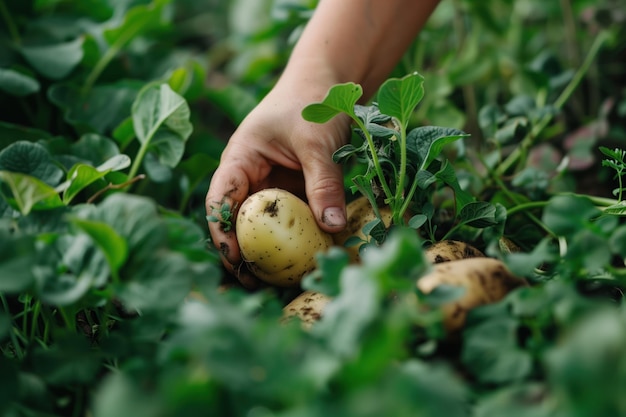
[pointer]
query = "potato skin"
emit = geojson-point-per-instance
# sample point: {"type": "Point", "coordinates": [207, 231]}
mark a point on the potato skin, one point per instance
{"type": "Point", "coordinates": [307, 307]}
{"type": "Point", "coordinates": [359, 212]}
{"type": "Point", "coordinates": [486, 280]}
{"type": "Point", "coordinates": [450, 250]}
{"type": "Point", "coordinates": [279, 237]}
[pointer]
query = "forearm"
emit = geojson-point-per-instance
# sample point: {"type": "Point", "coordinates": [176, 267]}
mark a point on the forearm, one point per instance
{"type": "Point", "coordinates": [358, 40]}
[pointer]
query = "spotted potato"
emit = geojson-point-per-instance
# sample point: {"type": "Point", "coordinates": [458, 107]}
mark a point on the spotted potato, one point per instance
{"type": "Point", "coordinates": [279, 237]}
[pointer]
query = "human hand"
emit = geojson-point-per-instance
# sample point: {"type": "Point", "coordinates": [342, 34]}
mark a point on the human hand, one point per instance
{"type": "Point", "coordinates": [275, 147]}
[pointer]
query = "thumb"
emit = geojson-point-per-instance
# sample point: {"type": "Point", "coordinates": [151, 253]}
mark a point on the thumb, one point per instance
{"type": "Point", "coordinates": [325, 192]}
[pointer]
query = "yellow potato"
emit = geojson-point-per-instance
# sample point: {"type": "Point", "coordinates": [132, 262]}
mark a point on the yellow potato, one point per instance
{"type": "Point", "coordinates": [278, 237]}
{"type": "Point", "coordinates": [486, 280]}
{"type": "Point", "coordinates": [307, 307]}
{"type": "Point", "coordinates": [450, 250]}
{"type": "Point", "coordinates": [359, 212]}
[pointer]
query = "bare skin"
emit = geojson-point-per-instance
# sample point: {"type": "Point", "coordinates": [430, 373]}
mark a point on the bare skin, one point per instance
{"type": "Point", "coordinates": [345, 40]}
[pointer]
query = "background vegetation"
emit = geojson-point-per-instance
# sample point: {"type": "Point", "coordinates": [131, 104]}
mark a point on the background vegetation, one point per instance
{"type": "Point", "coordinates": [113, 115]}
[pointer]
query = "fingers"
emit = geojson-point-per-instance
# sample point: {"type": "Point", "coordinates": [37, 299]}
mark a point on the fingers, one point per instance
{"type": "Point", "coordinates": [324, 178]}
{"type": "Point", "coordinates": [228, 188]}
{"type": "Point", "coordinates": [325, 193]}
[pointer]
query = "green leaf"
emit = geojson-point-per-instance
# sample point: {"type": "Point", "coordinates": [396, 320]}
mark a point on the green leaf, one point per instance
{"type": "Point", "coordinates": [55, 61]}
{"type": "Point", "coordinates": [95, 149]}
{"type": "Point", "coordinates": [68, 268]}
{"type": "Point", "coordinates": [478, 214]}
{"type": "Point", "coordinates": [565, 215]}
{"type": "Point", "coordinates": [80, 176]}
{"type": "Point", "coordinates": [101, 109]}
{"type": "Point", "coordinates": [425, 143]}
{"type": "Point", "coordinates": [31, 159]}
{"type": "Point", "coordinates": [618, 209]}
{"type": "Point", "coordinates": [490, 351]}
{"type": "Point", "coordinates": [28, 192]}
{"type": "Point", "coordinates": [18, 84]}
{"type": "Point", "coordinates": [112, 244]}
{"type": "Point", "coordinates": [341, 98]}
{"type": "Point", "coordinates": [161, 122]}
{"type": "Point", "coordinates": [398, 97]}
{"type": "Point", "coordinates": [447, 174]}
{"type": "Point", "coordinates": [326, 277]}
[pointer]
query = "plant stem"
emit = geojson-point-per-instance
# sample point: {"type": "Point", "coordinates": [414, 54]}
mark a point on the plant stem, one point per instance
{"type": "Point", "coordinates": [375, 161]}
{"type": "Point", "coordinates": [6, 16]}
{"type": "Point", "coordinates": [399, 213]}
{"type": "Point", "coordinates": [530, 138]}
{"type": "Point", "coordinates": [141, 153]}
{"type": "Point", "coordinates": [14, 342]}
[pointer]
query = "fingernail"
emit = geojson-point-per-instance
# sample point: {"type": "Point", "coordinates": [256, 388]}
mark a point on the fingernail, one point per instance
{"type": "Point", "coordinates": [334, 216]}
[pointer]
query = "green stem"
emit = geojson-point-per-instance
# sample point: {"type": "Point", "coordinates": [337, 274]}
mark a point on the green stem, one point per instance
{"type": "Point", "coordinates": [141, 153]}
{"type": "Point", "coordinates": [6, 16]}
{"type": "Point", "coordinates": [530, 138]}
{"type": "Point", "coordinates": [526, 206]}
{"type": "Point", "coordinates": [375, 161]}
{"type": "Point", "coordinates": [398, 214]}
{"type": "Point", "coordinates": [33, 326]}
{"type": "Point", "coordinates": [66, 319]}
{"type": "Point", "coordinates": [17, 348]}
{"type": "Point", "coordinates": [514, 199]}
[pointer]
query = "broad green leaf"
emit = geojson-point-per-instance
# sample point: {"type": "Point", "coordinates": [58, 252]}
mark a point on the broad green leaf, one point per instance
{"type": "Point", "coordinates": [447, 174]}
{"type": "Point", "coordinates": [490, 351]}
{"type": "Point", "coordinates": [79, 177]}
{"type": "Point", "coordinates": [478, 214]}
{"type": "Point", "coordinates": [326, 277]}
{"type": "Point", "coordinates": [158, 283]}
{"type": "Point", "coordinates": [341, 98]}
{"type": "Point", "coordinates": [398, 97]}
{"type": "Point", "coordinates": [133, 218]}
{"type": "Point", "coordinates": [590, 354]}
{"type": "Point", "coordinates": [99, 110]}
{"type": "Point", "coordinates": [161, 122]}
{"type": "Point", "coordinates": [57, 60]}
{"type": "Point", "coordinates": [425, 143]}
{"type": "Point", "coordinates": [31, 159]}
{"type": "Point", "coordinates": [565, 215]}
{"type": "Point", "coordinates": [17, 84]}
{"type": "Point", "coordinates": [28, 192]}
{"type": "Point", "coordinates": [108, 240]}
{"type": "Point", "coordinates": [95, 149]}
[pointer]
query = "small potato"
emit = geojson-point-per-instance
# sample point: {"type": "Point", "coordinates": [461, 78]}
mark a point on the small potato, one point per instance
{"type": "Point", "coordinates": [450, 250]}
{"type": "Point", "coordinates": [307, 307]}
{"type": "Point", "coordinates": [359, 212]}
{"type": "Point", "coordinates": [278, 237]}
{"type": "Point", "coordinates": [486, 280]}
